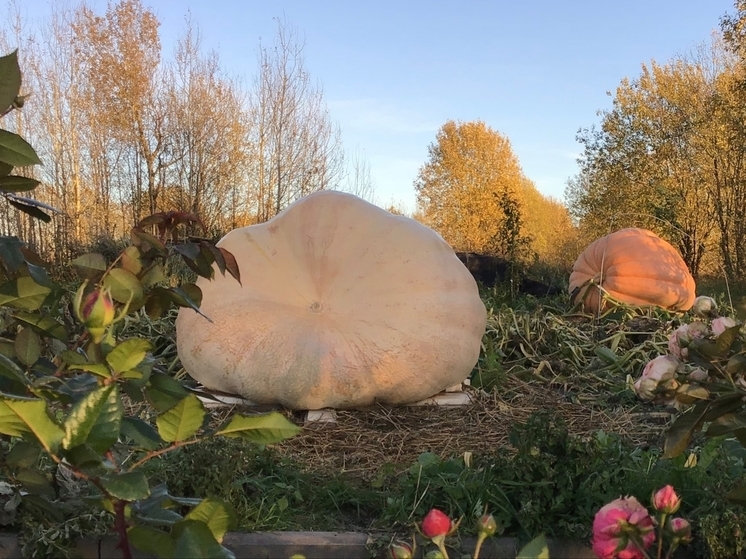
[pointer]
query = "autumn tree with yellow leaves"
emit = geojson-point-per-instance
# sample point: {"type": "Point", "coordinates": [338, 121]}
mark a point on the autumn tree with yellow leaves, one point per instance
{"type": "Point", "coordinates": [469, 187]}
{"type": "Point", "coordinates": [473, 192]}
{"type": "Point", "coordinates": [670, 156]}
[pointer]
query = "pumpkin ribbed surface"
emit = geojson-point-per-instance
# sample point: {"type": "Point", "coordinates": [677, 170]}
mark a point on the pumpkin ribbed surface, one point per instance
{"type": "Point", "coordinates": [634, 266]}
{"type": "Point", "coordinates": [342, 304]}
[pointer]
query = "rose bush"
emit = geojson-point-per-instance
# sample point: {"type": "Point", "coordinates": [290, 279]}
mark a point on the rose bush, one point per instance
{"type": "Point", "coordinates": [704, 375]}
{"type": "Point", "coordinates": [436, 526]}
{"type": "Point", "coordinates": [625, 529]}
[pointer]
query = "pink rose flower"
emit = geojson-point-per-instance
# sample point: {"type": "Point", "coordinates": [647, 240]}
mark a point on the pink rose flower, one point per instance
{"type": "Point", "coordinates": [660, 369]}
{"type": "Point", "coordinates": [683, 336]}
{"type": "Point", "coordinates": [666, 500]}
{"type": "Point", "coordinates": [613, 525]}
{"type": "Point", "coordinates": [720, 325]}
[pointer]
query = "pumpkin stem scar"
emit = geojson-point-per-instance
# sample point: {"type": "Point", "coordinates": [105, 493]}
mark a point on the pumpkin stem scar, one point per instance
{"type": "Point", "coordinates": [316, 307]}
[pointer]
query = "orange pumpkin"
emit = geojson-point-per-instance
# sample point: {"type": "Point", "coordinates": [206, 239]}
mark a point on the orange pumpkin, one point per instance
{"type": "Point", "coordinates": [634, 266]}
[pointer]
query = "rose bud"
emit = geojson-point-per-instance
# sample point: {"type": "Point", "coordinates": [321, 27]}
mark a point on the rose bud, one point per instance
{"type": "Point", "coordinates": [699, 375]}
{"type": "Point", "coordinates": [681, 529]}
{"type": "Point", "coordinates": [96, 311]}
{"type": "Point", "coordinates": [399, 550]}
{"type": "Point", "coordinates": [436, 523]}
{"type": "Point", "coordinates": [705, 307]}
{"type": "Point", "coordinates": [487, 525]}
{"type": "Point", "coordinates": [666, 500]}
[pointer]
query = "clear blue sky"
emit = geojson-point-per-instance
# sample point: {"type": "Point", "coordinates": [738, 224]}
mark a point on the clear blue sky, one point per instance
{"type": "Point", "coordinates": [394, 71]}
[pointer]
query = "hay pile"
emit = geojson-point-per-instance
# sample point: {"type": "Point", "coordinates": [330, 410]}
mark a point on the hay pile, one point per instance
{"type": "Point", "coordinates": [361, 441]}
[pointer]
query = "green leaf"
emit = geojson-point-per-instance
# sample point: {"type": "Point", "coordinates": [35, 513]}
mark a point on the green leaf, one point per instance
{"type": "Point", "coordinates": [127, 487]}
{"type": "Point", "coordinates": [151, 541]}
{"type": "Point", "coordinates": [140, 432]}
{"type": "Point", "coordinates": [535, 549]}
{"type": "Point", "coordinates": [95, 420]}
{"type": "Point", "coordinates": [181, 421]}
{"type": "Point", "coordinates": [260, 429]}
{"type": "Point", "coordinates": [737, 495]}
{"type": "Point", "coordinates": [157, 303]}
{"type": "Point", "coordinates": [128, 354]}
{"type": "Point", "coordinates": [10, 80]}
{"type": "Point", "coordinates": [5, 169]}
{"type": "Point", "coordinates": [13, 183]}
{"type": "Point", "coordinates": [726, 424]}
{"type": "Point", "coordinates": [27, 346]}
{"type": "Point", "coordinates": [89, 266]}
{"type": "Point", "coordinates": [23, 455]}
{"type": "Point", "coordinates": [23, 293]}
{"type": "Point", "coordinates": [10, 253]}
{"type": "Point", "coordinates": [217, 514]}
{"type": "Point", "coordinates": [83, 456]}
{"type": "Point", "coordinates": [736, 365]}
{"type": "Point", "coordinates": [73, 357]}
{"type": "Point", "coordinates": [28, 417]}
{"type": "Point", "coordinates": [16, 151]}
{"type": "Point", "coordinates": [164, 392]}
{"type": "Point", "coordinates": [9, 369]}
{"type": "Point", "coordinates": [130, 260]}
{"type": "Point", "coordinates": [45, 325]}
{"type": "Point", "coordinates": [29, 209]}
{"type": "Point", "coordinates": [98, 369]}
{"type": "Point", "coordinates": [124, 286]}
{"type": "Point", "coordinates": [153, 276]}
{"type": "Point", "coordinates": [189, 296]}
{"type": "Point", "coordinates": [47, 508]}
{"type": "Point", "coordinates": [35, 483]}
{"type": "Point", "coordinates": [725, 340]}
{"type": "Point", "coordinates": [683, 428]}
{"type": "Point", "coordinates": [194, 540]}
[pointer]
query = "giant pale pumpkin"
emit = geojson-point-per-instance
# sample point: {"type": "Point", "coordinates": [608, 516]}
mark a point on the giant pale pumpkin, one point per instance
{"type": "Point", "coordinates": [342, 304]}
{"type": "Point", "coordinates": [634, 266]}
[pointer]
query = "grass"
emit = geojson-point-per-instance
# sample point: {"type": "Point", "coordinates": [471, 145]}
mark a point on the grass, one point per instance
{"type": "Point", "coordinates": [381, 470]}
{"type": "Point", "coordinates": [553, 435]}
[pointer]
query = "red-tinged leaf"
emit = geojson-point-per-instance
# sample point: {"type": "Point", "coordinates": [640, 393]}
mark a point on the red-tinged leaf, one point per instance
{"type": "Point", "coordinates": [147, 242]}
{"type": "Point", "coordinates": [230, 264]}
{"type": "Point", "coordinates": [187, 250]}
{"type": "Point", "coordinates": [217, 256]}
{"type": "Point", "coordinates": [155, 219]}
